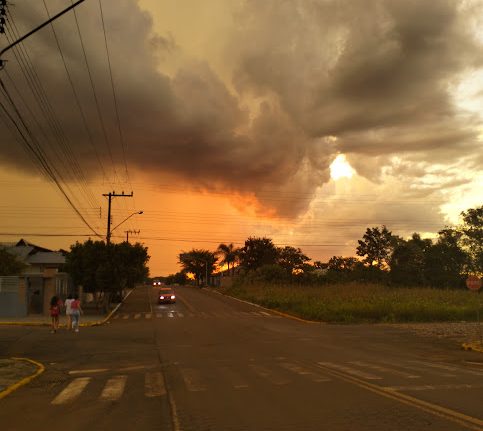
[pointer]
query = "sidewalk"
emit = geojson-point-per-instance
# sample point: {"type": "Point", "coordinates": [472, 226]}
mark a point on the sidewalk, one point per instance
{"type": "Point", "coordinates": [87, 319]}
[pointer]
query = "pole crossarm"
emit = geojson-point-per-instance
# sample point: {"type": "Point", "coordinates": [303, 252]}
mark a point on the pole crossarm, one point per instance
{"type": "Point", "coordinates": [110, 196]}
{"type": "Point", "coordinates": [25, 36]}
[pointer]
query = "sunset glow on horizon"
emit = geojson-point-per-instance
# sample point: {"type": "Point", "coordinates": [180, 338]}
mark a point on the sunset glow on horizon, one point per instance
{"type": "Point", "coordinates": [228, 128]}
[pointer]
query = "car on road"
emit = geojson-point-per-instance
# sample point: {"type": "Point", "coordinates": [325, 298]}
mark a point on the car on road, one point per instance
{"type": "Point", "coordinates": [156, 283]}
{"type": "Point", "coordinates": [166, 296]}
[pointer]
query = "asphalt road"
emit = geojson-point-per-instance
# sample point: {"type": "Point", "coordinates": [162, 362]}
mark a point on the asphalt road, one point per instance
{"type": "Point", "coordinates": [212, 363]}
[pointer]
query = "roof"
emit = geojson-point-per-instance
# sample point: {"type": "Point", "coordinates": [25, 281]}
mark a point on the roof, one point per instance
{"type": "Point", "coordinates": [41, 257]}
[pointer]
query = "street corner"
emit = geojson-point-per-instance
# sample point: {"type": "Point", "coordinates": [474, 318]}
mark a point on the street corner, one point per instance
{"type": "Point", "coordinates": [475, 346]}
{"type": "Point", "coordinates": [16, 372]}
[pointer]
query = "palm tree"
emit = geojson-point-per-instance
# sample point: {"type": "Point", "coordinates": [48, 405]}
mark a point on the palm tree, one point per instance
{"type": "Point", "coordinates": [229, 254]}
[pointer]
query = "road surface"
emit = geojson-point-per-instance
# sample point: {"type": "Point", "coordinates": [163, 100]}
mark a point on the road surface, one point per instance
{"type": "Point", "coordinates": [210, 362]}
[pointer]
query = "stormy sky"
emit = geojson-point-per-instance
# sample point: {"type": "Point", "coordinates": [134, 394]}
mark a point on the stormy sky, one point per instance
{"type": "Point", "coordinates": [254, 99]}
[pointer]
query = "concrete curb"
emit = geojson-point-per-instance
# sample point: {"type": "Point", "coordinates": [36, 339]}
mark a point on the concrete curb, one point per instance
{"type": "Point", "coordinates": [106, 319]}
{"type": "Point", "coordinates": [475, 346]}
{"type": "Point", "coordinates": [280, 313]}
{"type": "Point", "coordinates": [83, 325]}
{"type": "Point", "coordinates": [24, 381]}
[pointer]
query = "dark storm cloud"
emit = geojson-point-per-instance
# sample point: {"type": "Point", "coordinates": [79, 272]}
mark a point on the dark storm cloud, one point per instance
{"type": "Point", "coordinates": [374, 75]}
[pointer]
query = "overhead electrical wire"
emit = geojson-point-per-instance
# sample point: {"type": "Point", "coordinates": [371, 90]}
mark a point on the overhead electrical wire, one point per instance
{"type": "Point", "coordinates": [74, 92]}
{"type": "Point", "coordinates": [38, 154]}
{"type": "Point", "coordinates": [33, 81]}
{"type": "Point", "coordinates": [119, 128]}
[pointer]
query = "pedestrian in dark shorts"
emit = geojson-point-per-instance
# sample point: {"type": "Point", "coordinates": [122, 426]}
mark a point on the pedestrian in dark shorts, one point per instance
{"type": "Point", "coordinates": [55, 305]}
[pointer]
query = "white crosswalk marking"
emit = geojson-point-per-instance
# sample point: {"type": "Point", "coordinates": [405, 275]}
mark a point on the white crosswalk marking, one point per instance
{"type": "Point", "coordinates": [154, 384]}
{"type": "Point", "coordinates": [116, 316]}
{"type": "Point", "coordinates": [268, 374]}
{"type": "Point", "coordinates": [114, 388]}
{"type": "Point", "coordinates": [385, 370]}
{"type": "Point", "coordinates": [304, 372]}
{"type": "Point", "coordinates": [235, 380]}
{"type": "Point", "coordinates": [147, 315]}
{"type": "Point", "coordinates": [449, 368]}
{"type": "Point", "coordinates": [72, 391]}
{"type": "Point", "coordinates": [349, 370]}
{"type": "Point", "coordinates": [180, 314]}
{"type": "Point", "coordinates": [137, 315]}
{"type": "Point", "coordinates": [126, 316]}
{"type": "Point", "coordinates": [423, 370]}
{"type": "Point", "coordinates": [192, 379]}
{"type": "Point", "coordinates": [159, 315]}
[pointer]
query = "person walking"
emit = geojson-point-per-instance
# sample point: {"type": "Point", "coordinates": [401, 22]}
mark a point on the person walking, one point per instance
{"type": "Point", "coordinates": [55, 305]}
{"type": "Point", "coordinates": [68, 310]}
{"type": "Point", "coordinates": [76, 312]}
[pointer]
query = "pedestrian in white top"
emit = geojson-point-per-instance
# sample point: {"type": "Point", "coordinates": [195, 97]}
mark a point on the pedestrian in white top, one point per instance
{"type": "Point", "coordinates": [68, 311]}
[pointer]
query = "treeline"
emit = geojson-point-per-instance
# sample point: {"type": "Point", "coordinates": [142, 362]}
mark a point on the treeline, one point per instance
{"type": "Point", "coordinates": [381, 257]}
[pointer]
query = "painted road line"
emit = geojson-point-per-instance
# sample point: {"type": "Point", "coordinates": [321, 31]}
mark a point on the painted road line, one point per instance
{"type": "Point", "coordinates": [265, 313]}
{"type": "Point", "coordinates": [192, 380]}
{"type": "Point", "coordinates": [91, 371]}
{"type": "Point", "coordinates": [71, 391]}
{"type": "Point", "coordinates": [24, 381]}
{"type": "Point", "coordinates": [180, 314]}
{"type": "Point", "coordinates": [435, 387]}
{"type": "Point", "coordinates": [126, 316]}
{"type": "Point", "coordinates": [154, 384]}
{"type": "Point", "coordinates": [171, 314]}
{"type": "Point", "coordinates": [434, 409]}
{"type": "Point", "coordinates": [137, 315]}
{"type": "Point", "coordinates": [267, 374]}
{"type": "Point", "coordinates": [349, 370]}
{"type": "Point", "coordinates": [148, 316]}
{"type": "Point", "coordinates": [116, 317]}
{"type": "Point", "coordinates": [159, 315]}
{"type": "Point", "coordinates": [449, 368]}
{"type": "Point", "coordinates": [302, 371]}
{"type": "Point", "coordinates": [236, 381]}
{"type": "Point", "coordinates": [422, 370]}
{"type": "Point", "coordinates": [385, 370]}
{"type": "Point", "coordinates": [114, 388]}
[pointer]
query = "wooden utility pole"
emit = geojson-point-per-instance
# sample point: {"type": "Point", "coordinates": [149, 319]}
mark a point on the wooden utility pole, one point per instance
{"type": "Point", "coordinates": [110, 196]}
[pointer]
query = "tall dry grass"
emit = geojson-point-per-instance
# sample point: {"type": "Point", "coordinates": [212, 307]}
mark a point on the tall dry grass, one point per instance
{"type": "Point", "coordinates": [356, 302]}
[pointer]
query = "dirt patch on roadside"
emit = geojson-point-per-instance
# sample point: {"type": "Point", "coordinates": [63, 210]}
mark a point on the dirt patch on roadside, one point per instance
{"type": "Point", "coordinates": [464, 332]}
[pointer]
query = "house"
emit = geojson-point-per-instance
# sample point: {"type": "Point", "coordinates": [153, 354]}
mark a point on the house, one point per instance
{"type": "Point", "coordinates": [42, 278]}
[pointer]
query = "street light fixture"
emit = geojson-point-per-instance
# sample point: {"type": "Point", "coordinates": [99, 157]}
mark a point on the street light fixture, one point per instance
{"type": "Point", "coordinates": [115, 227]}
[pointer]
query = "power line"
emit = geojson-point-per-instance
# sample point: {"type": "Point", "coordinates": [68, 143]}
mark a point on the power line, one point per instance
{"type": "Point", "coordinates": [121, 137]}
{"type": "Point", "coordinates": [38, 154]}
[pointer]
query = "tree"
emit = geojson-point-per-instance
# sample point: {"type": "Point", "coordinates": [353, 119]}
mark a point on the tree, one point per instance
{"type": "Point", "coordinates": [198, 262]}
{"type": "Point", "coordinates": [472, 240]}
{"type": "Point", "coordinates": [229, 254]}
{"type": "Point", "coordinates": [9, 265]}
{"type": "Point", "coordinates": [258, 252]}
{"type": "Point", "coordinates": [407, 260]}
{"type": "Point", "coordinates": [291, 259]}
{"type": "Point", "coordinates": [107, 268]}
{"type": "Point", "coordinates": [445, 261]}
{"type": "Point", "coordinates": [342, 264]}
{"type": "Point", "coordinates": [376, 246]}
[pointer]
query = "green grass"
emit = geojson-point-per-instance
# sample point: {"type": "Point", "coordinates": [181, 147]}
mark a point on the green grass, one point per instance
{"type": "Point", "coordinates": [356, 302]}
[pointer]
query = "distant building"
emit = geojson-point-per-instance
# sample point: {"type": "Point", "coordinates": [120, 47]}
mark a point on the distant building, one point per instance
{"type": "Point", "coordinates": [42, 278]}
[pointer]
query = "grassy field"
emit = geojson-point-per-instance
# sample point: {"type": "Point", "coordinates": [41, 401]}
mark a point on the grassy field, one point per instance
{"type": "Point", "coordinates": [355, 302]}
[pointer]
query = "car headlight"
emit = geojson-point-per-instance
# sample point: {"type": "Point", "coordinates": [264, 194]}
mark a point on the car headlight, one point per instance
{"type": "Point", "coordinates": [161, 297]}
{"type": "Point", "coordinates": [172, 296]}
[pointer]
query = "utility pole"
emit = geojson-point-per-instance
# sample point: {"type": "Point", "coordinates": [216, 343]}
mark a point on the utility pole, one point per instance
{"type": "Point", "coordinates": [127, 232]}
{"type": "Point", "coordinates": [4, 3]}
{"type": "Point", "coordinates": [110, 196]}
